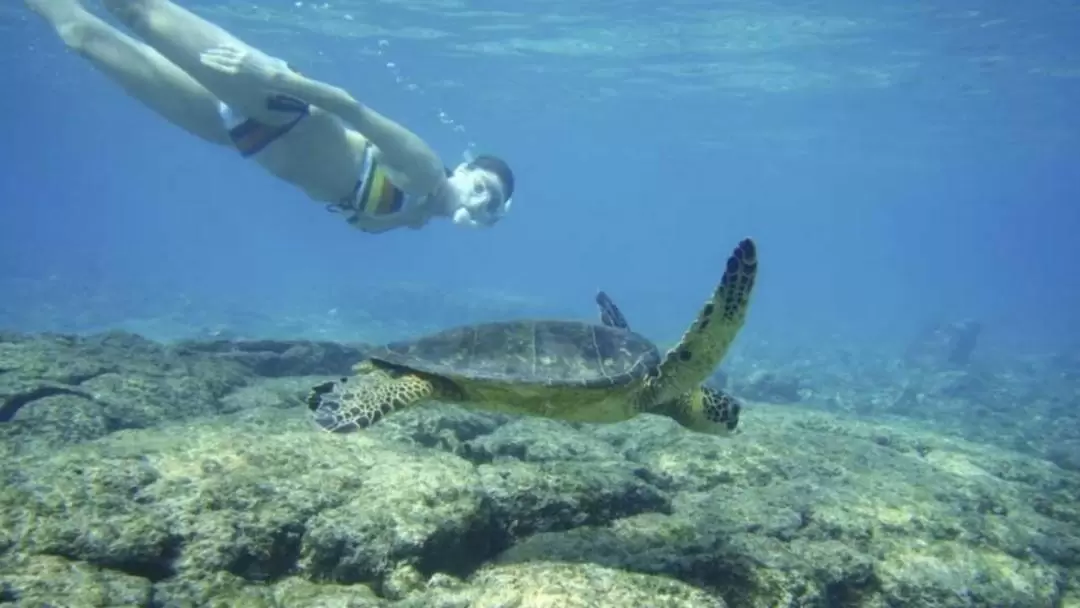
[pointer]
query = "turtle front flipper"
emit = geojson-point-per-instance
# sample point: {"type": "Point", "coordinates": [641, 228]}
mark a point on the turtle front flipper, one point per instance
{"type": "Point", "coordinates": [351, 404]}
{"type": "Point", "coordinates": [706, 341]}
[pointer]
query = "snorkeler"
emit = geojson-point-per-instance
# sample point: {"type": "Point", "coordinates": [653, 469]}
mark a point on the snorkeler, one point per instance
{"type": "Point", "coordinates": [199, 77]}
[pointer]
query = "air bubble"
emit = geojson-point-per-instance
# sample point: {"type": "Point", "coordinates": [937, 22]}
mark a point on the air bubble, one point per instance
{"type": "Point", "coordinates": [444, 118]}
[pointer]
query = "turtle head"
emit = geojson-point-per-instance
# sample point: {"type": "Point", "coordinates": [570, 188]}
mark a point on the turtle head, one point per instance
{"type": "Point", "coordinates": [709, 410]}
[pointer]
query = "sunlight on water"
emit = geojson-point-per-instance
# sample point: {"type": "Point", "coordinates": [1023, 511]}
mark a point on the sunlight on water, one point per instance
{"type": "Point", "coordinates": [679, 50]}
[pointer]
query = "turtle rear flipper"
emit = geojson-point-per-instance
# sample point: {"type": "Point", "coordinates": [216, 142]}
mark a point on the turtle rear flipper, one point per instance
{"type": "Point", "coordinates": [717, 408]}
{"type": "Point", "coordinates": [351, 404]}
{"type": "Point", "coordinates": [706, 341]}
{"type": "Point", "coordinates": [610, 314]}
{"type": "Point", "coordinates": [704, 409]}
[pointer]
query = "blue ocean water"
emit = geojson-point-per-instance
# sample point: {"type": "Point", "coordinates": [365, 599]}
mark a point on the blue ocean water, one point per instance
{"type": "Point", "coordinates": [897, 164]}
{"type": "Point", "coordinates": [906, 387]}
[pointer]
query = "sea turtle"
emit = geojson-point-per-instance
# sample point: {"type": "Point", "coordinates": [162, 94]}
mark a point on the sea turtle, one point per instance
{"type": "Point", "coordinates": [569, 370]}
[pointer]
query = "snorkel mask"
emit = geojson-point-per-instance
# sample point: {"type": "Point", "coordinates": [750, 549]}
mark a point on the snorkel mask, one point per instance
{"type": "Point", "coordinates": [479, 205]}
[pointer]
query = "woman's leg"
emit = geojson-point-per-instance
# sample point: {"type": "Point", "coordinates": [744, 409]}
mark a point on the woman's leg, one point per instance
{"type": "Point", "coordinates": [142, 71]}
{"type": "Point", "coordinates": [182, 37]}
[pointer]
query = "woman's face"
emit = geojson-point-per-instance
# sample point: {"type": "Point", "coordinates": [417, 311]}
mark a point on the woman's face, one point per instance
{"type": "Point", "coordinates": [481, 200]}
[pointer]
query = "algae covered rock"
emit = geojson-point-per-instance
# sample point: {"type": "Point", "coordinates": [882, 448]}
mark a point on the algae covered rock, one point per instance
{"type": "Point", "coordinates": [809, 509]}
{"type": "Point", "coordinates": [441, 506]}
{"type": "Point", "coordinates": [74, 388]}
{"type": "Point", "coordinates": [259, 500]}
{"type": "Point", "coordinates": [540, 475]}
{"type": "Point", "coordinates": [67, 388]}
{"type": "Point", "coordinates": [544, 584]}
{"type": "Point", "coordinates": [44, 580]}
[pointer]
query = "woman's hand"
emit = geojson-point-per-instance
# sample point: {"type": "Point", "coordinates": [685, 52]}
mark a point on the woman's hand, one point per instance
{"type": "Point", "coordinates": [259, 68]}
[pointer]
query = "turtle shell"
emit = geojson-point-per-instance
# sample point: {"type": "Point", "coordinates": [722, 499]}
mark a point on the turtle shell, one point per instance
{"type": "Point", "coordinates": [542, 352]}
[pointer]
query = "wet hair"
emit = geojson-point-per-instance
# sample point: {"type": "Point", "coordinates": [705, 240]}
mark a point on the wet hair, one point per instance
{"type": "Point", "coordinates": [501, 170]}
